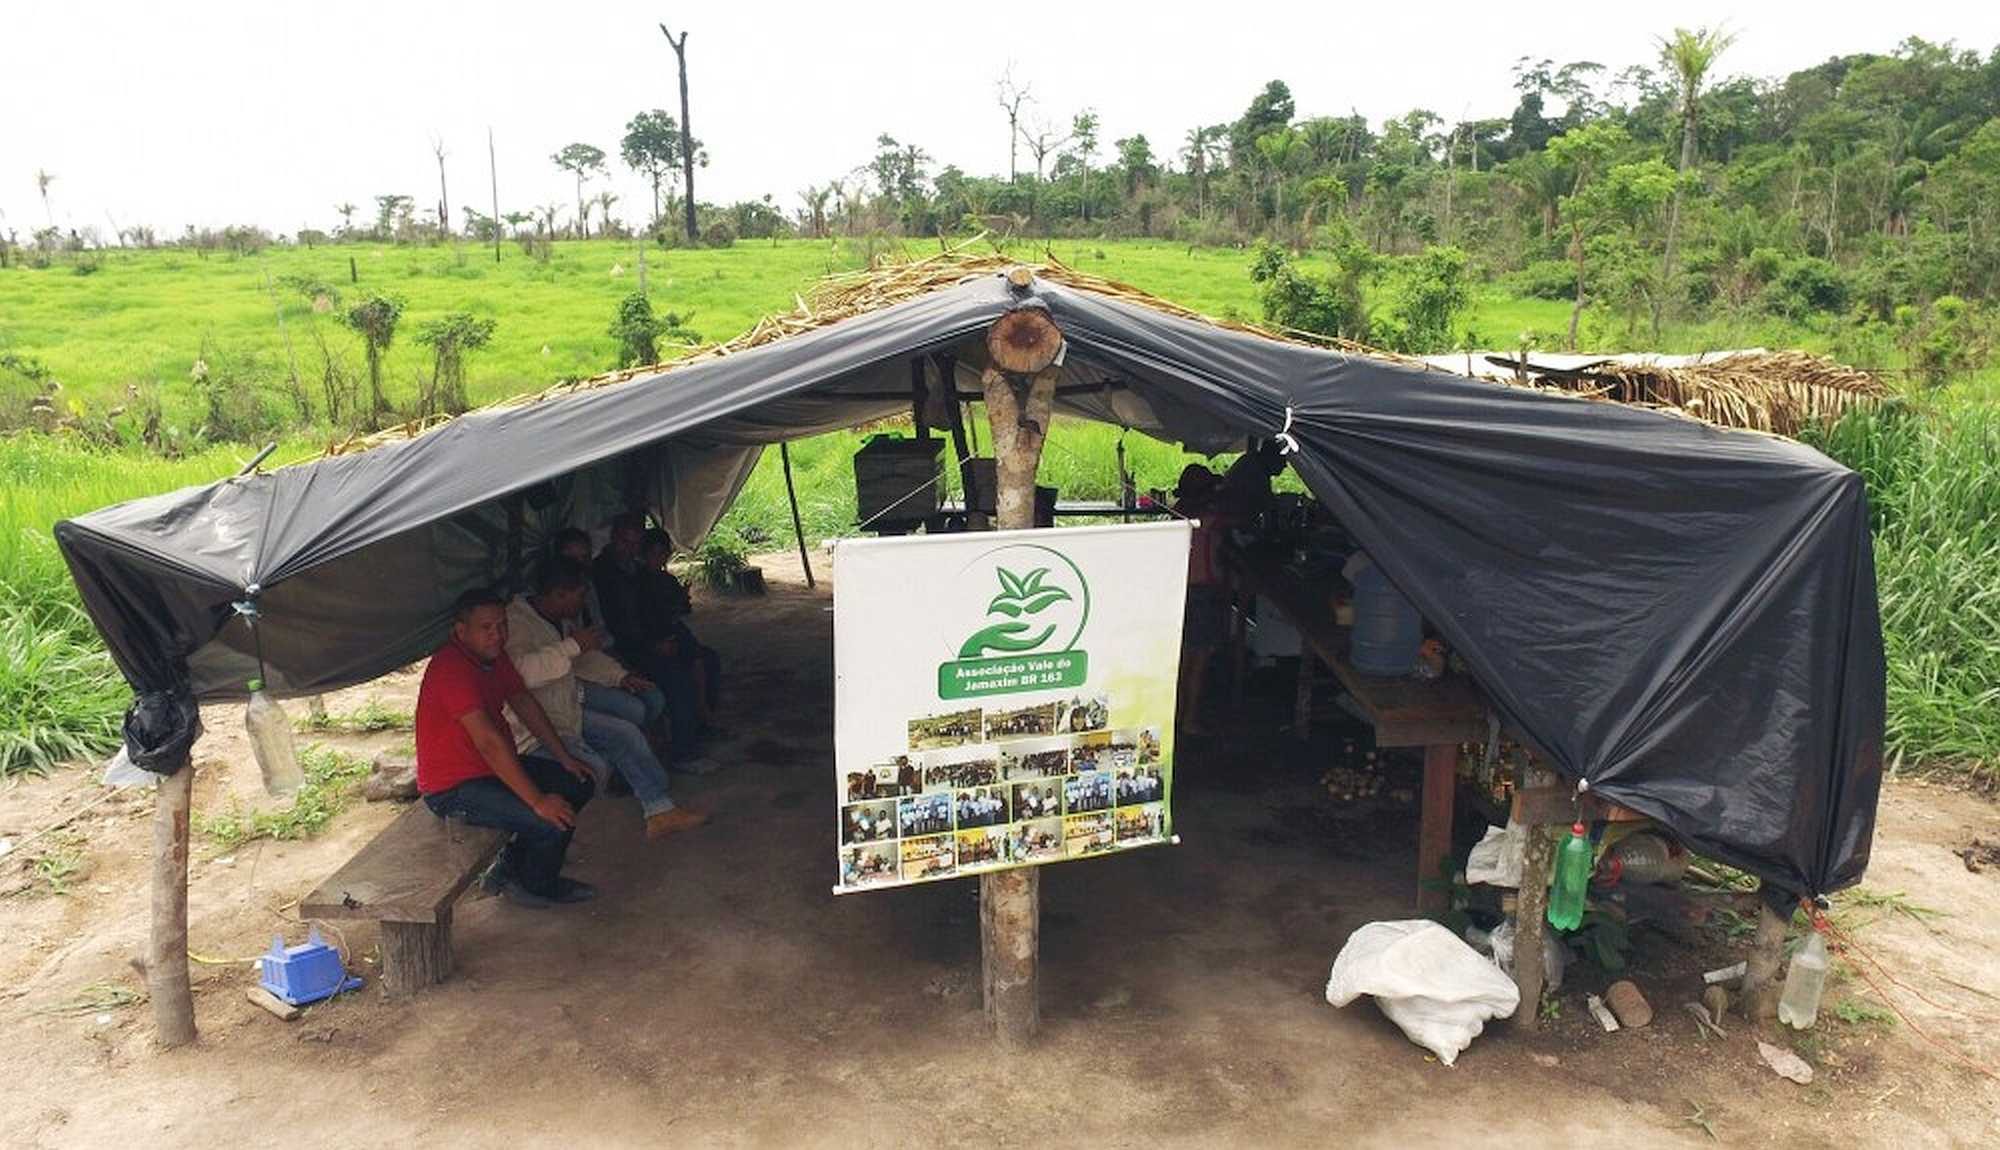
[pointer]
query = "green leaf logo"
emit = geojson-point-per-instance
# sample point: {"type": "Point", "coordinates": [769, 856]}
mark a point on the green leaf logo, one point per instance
{"type": "Point", "coordinates": [1020, 595]}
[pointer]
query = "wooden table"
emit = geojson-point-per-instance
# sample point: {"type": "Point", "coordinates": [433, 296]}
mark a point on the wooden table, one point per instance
{"type": "Point", "coordinates": [1435, 714]}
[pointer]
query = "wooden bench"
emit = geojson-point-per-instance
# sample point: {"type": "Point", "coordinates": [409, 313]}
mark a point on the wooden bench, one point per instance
{"type": "Point", "coordinates": [407, 878]}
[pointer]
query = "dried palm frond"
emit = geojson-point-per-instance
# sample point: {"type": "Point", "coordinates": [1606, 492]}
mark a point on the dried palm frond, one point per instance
{"type": "Point", "coordinates": [1776, 391]}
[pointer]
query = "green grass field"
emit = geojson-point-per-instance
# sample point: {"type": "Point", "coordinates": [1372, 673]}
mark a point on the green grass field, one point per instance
{"type": "Point", "coordinates": [144, 318]}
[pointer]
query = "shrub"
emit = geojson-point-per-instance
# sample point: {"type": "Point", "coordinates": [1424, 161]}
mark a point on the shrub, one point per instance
{"type": "Point", "coordinates": [1806, 285]}
{"type": "Point", "coordinates": [1297, 298]}
{"type": "Point", "coordinates": [720, 234]}
{"type": "Point", "coordinates": [638, 330]}
{"type": "Point", "coordinates": [1544, 279]}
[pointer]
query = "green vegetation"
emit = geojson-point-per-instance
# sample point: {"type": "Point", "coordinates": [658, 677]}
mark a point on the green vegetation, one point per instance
{"type": "Point", "coordinates": [1933, 473]}
{"type": "Point", "coordinates": [368, 718]}
{"type": "Point", "coordinates": [332, 778]}
{"type": "Point", "coordinates": [60, 696]}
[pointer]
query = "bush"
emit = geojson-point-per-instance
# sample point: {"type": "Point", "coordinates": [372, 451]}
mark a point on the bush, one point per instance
{"type": "Point", "coordinates": [720, 234]}
{"type": "Point", "coordinates": [638, 330]}
{"type": "Point", "coordinates": [1296, 298]}
{"type": "Point", "coordinates": [1544, 279]}
{"type": "Point", "coordinates": [1806, 285]}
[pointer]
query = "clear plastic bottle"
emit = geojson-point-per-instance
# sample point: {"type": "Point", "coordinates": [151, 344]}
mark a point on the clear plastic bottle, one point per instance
{"type": "Point", "coordinates": [271, 742]}
{"type": "Point", "coordinates": [1573, 865]}
{"type": "Point", "coordinates": [1646, 857]}
{"type": "Point", "coordinates": [1798, 1006]}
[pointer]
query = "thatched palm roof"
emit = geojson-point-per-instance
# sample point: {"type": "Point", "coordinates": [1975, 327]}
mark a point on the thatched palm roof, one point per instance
{"type": "Point", "coordinates": [1777, 392]}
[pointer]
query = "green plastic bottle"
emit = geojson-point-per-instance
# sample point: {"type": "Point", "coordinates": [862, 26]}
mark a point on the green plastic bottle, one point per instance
{"type": "Point", "coordinates": [1572, 880]}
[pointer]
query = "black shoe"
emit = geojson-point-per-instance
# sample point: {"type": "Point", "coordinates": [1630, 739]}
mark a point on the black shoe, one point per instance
{"type": "Point", "coordinates": [521, 896]}
{"type": "Point", "coordinates": [571, 890]}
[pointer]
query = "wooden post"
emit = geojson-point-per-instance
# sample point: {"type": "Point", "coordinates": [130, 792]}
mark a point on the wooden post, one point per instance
{"type": "Point", "coordinates": [1010, 901]}
{"type": "Point", "coordinates": [1434, 833]}
{"type": "Point", "coordinates": [166, 962]}
{"type": "Point", "coordinates": [1760, 976]}
{"type": "Point", "coordinates": [1531, 908]}
{"type": "Point", "coordinates": [792, 496]}
{"type": "Point", "coordinates": [415, 955]}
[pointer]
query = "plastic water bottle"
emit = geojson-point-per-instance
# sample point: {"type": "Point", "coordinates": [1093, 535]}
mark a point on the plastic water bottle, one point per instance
{"type": "Point", "coordinates": [1798, 1006]}
{"type": "Point", "coordinates": [1645, 858]}
{"type": "Point", "coordinates": [1572, 880]}
{"type": "Point", "coordinates": [271, 742]}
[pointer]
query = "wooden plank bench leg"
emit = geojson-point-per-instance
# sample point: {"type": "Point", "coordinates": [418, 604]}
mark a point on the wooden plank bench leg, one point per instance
{"type": "Point", "coordinates": [415, 955]}
{"type": "Point", "coordinates": [1434, 836]}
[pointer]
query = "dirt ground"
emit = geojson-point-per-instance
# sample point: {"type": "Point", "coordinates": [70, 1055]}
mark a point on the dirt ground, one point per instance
{"type": "Point", "coordinates": [718, 993]}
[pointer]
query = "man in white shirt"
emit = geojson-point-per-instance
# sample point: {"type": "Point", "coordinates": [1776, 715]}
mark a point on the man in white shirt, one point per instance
{"type": "Point", "coordinates": [551, 663]}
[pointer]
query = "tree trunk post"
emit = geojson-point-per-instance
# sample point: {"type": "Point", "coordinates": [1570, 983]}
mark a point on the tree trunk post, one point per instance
{"type": "Point", "coordinates": [166, 960]}
{"type": "Point", "coordinates": [1531, 907]}
{"type": "Point", "coordinates": [1760, 976]}
{"type": "Point", "coordinates": [1010, 901]}
{"type": "Point", "coordinates": [415, 955]}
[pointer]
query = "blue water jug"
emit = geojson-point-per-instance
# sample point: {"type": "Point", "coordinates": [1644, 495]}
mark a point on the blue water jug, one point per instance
{"type": "Point", "coordinates": [1387, 629]}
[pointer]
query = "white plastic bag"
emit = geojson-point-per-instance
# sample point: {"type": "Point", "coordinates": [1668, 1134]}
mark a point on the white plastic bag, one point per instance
{"type": "Point", "coordinates": [1433, 986]}
{"type": "Point", "coordinates": [1496, 859]}
{"type": "Point", "coordinates": [120, 772]}
{"type": "Point", "coordinates": [1555, 959]}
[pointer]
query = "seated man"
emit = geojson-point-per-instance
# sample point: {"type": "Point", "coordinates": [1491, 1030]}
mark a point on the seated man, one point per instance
{"type": "Point", "coordinates": [673, 604]}
{"type": "Point", "coordinates": [467, 766]}
{"type": "Point", "coordinates": [642, 638]}
{"type": "Point", "coordinates": [552, 659]}
{"type": "Point", "coordinates": [635, 699]}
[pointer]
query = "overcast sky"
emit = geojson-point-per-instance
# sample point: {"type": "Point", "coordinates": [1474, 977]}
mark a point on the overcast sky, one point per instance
{"type": "Point", "coordinates": [270, 113]}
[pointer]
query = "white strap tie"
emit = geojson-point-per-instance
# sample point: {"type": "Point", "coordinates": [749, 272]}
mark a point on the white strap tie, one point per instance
{"type": "Point", "coordinates": [1285, 436]}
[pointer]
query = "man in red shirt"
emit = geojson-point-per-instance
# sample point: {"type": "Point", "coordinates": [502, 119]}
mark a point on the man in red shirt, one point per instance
{"type": "Point", "coordinates": [467, 767]}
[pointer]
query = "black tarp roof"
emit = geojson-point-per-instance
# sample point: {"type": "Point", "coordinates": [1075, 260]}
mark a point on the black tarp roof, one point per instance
{"type": "Point", "coordinates": [1683, 616]}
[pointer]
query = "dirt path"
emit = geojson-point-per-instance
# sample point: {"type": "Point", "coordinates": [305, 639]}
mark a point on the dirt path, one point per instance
{"type": "Point", "coordinates": [718, 994]}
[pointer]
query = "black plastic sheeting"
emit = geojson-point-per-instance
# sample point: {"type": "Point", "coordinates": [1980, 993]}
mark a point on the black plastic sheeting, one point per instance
{"type": "Point", "coordinates": [1683, 616]}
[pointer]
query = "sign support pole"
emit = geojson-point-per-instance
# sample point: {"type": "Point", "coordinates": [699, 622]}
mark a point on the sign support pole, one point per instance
{"type": "Point", "coordinates": [1010, 901]}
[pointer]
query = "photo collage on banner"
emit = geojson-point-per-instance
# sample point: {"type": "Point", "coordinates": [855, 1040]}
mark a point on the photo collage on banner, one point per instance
{"type": "Point", "coordinates": [1034, 756]}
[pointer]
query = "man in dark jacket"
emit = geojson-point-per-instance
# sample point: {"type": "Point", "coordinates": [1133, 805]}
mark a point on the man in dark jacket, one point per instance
{"type": "Point", "coordinates": [628, 594]}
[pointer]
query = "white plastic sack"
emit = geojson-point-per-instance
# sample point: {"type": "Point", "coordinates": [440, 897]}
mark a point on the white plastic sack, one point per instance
{"type": "Point", "coordinates": [1433, 986]}
{"type": "Point", "coordinates": [1554, 958]}
{"type": "Point", "coordinates": [1496, 859]}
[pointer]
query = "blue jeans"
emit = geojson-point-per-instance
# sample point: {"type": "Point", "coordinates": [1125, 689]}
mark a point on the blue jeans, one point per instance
{"type": "Point", "coordinates": [641, 710]}
{"type": "Point", "coordinates": [609, 743]}
{"type": "Point", "coordinates": [534, 855]}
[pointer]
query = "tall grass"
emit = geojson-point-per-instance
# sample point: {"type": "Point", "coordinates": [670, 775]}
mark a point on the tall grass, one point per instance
{"type": "Point", "coordinates": [1933, 473]}
{"type": "Point", "coordinates": [60, 695]}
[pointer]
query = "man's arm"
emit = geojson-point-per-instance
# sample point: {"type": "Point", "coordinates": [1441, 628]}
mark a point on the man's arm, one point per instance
{"type": "Point", "coordinates": [545, 664]}
{"type": "Point", "coordinates": [498, 752]}
{"type": "Point", "coordinates": [532, 716]}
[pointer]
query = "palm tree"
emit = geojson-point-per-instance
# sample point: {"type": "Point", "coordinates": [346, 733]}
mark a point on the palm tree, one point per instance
{"type": "Point", "coordinates": [1689, 56]}
{"type": "Point", "coordinates": [1200, 144]}
{"type": "Point", "coordinates": [346, 213]}
{"type": "Point", "coordinates": [605, 199]}
{"type": "Point", "coordinates": [1279, 149]}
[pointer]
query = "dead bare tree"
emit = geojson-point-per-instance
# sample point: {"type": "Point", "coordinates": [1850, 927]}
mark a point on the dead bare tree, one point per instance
{"type": "Point", "coordinates": [1011, 97]}
{"type": "Point", "coordinates": [687, 132]}
{"type": "Point", "coordinates": [444, 201]}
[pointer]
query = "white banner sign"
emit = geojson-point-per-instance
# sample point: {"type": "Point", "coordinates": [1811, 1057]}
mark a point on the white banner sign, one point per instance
{"type": "Point", "coordinates": [1003, 698]}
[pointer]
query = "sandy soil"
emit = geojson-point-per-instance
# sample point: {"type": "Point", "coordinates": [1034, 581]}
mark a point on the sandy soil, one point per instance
{"type": "Point", "coordinates": [718, 994]}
